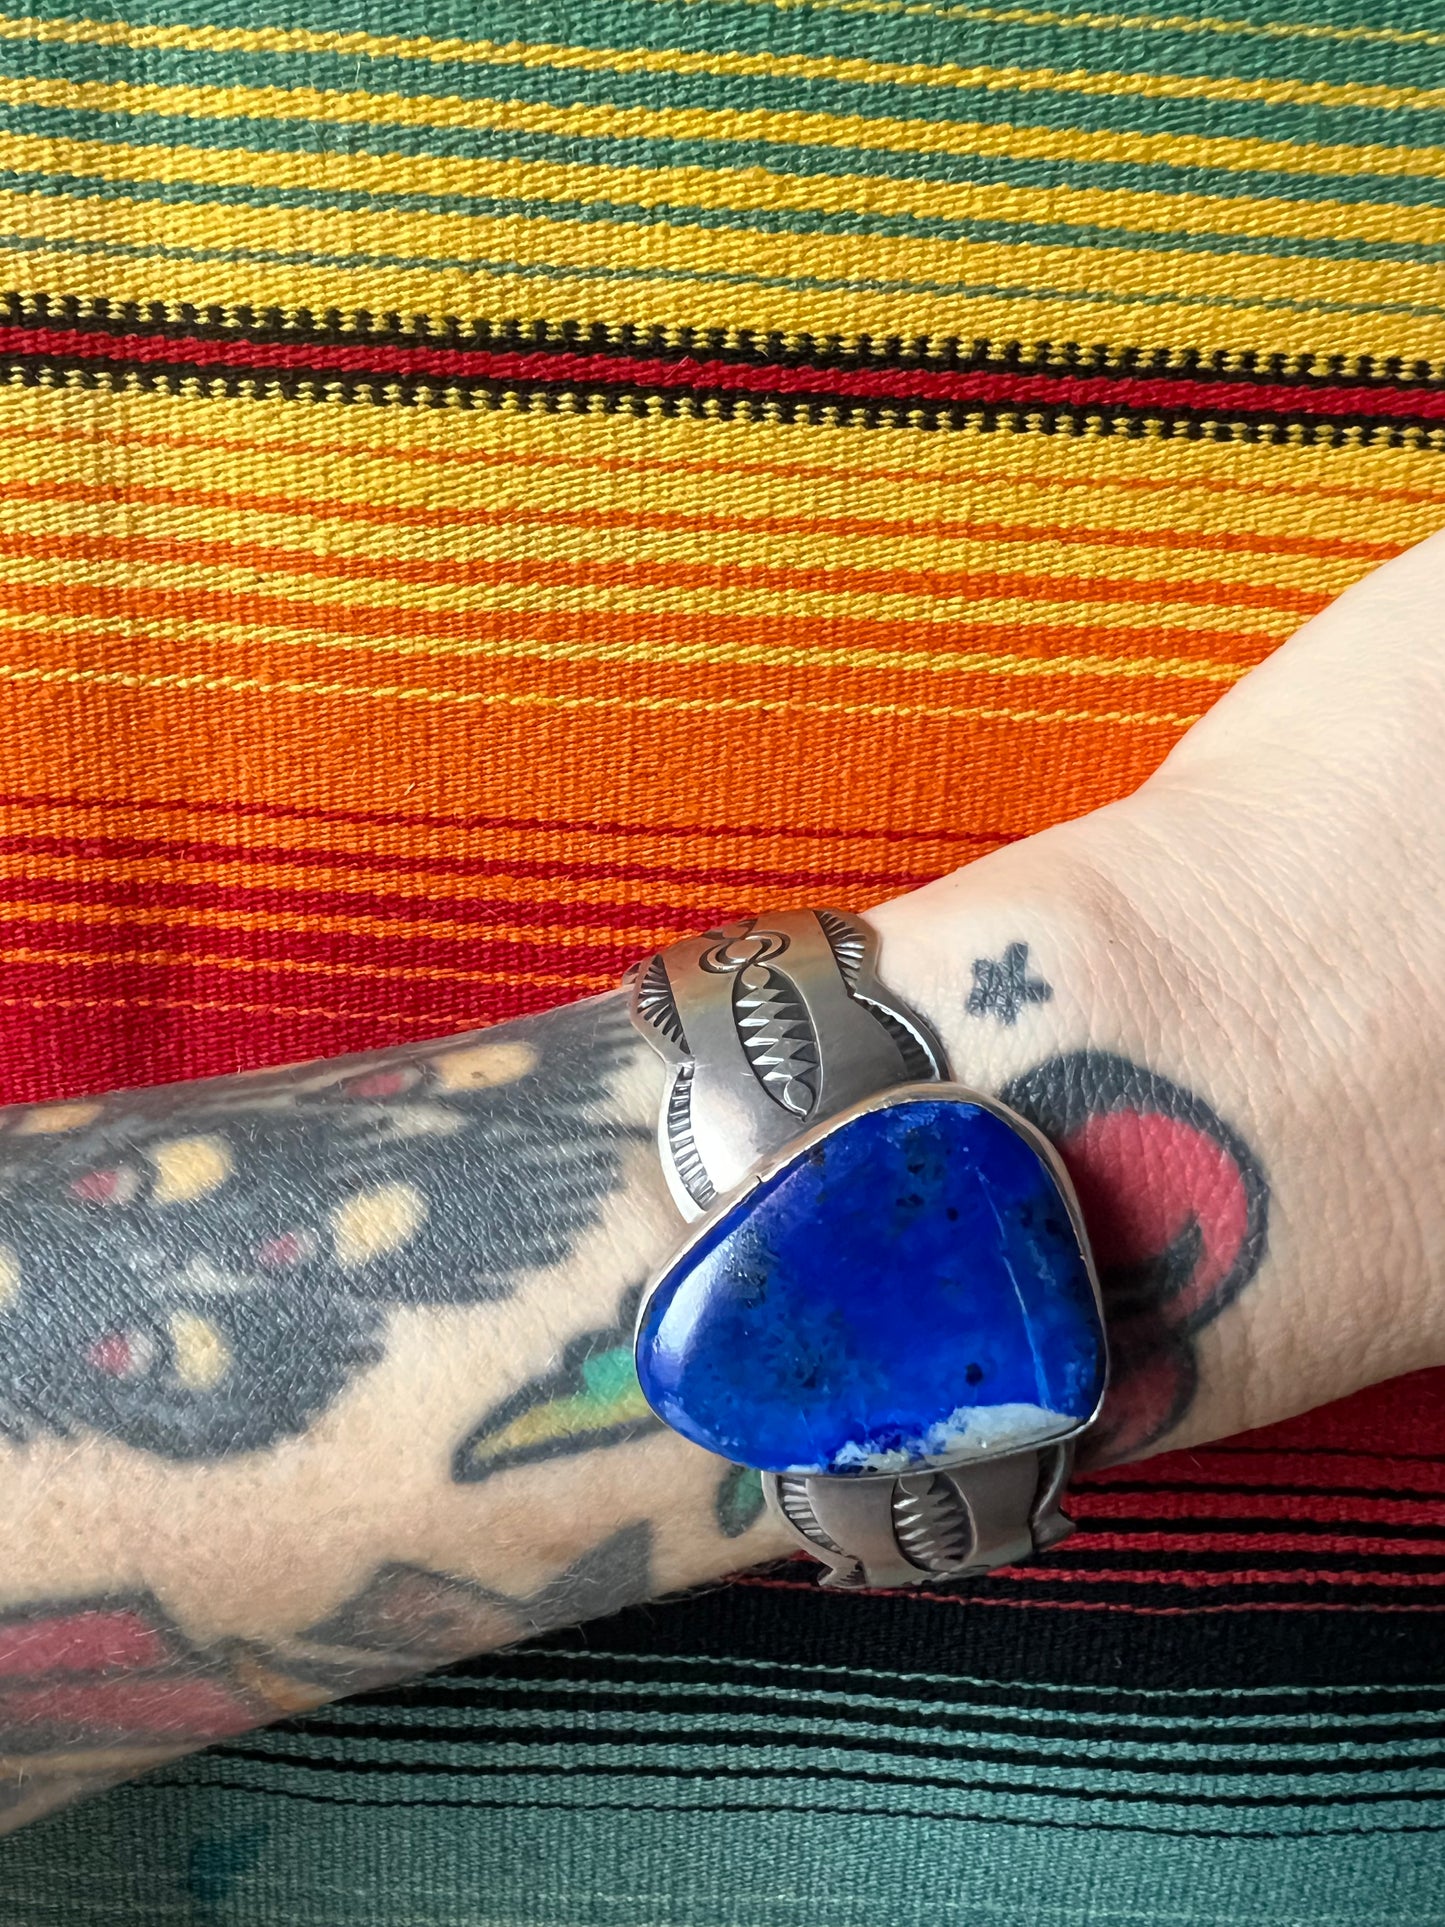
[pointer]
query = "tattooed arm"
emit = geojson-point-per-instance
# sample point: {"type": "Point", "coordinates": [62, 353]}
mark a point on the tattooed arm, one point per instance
{"type": "Point", "coordinates": [313, 1379]}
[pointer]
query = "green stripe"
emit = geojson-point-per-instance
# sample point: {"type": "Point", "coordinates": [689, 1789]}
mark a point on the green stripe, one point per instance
{"type": "Point", "coordinates": [903, 36]}
{"type": "Point", "coordinates": [131, 1859]}
{"type": "Point", "coordinates": [720, 156]}
{"type": "Point", "coordinates": [679, 215]}
{"type": "Point", "coordinates": [947, 1709]}
{"type": "Point", "coordinates": [531, 270]}
{"type": "Point", "coordinates": [353, 74]}
{"type": "Point", "coordinates": [742, 1774]}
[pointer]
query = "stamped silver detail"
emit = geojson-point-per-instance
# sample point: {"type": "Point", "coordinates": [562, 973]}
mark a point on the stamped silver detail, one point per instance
{"type": "Point", "coordinates": [956, 1523]}
{"type": "Point", "coordinates": [677, 1123]}
{"type": "Point", "coordinates": [931, 1523]}
{"type": "Point", "coordinates": [770, 1023]}
{"type": "Point", "coordinates": [654, 1004]}
{"type": "Point", "coordinates": [769, 1027]}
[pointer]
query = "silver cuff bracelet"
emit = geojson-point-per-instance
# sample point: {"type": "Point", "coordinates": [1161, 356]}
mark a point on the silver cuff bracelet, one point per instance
{"type": "Point", "coordinates": [885, 1300]}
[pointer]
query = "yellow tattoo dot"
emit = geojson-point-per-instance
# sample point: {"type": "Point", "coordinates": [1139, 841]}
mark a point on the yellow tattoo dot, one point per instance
{"type": "Point", "coordinates": [201, 1354]}
{"type": "Point", "coordinates": [477, 1067]}
{"type": "Point", "coordinates": [375, 1222]}
{"type": "Point", "coordinates": [189, 1167]}
{"type": "Point", "coordinates": [56, 1117]}
{"type": "Point", "coordinates": [9, 1274]}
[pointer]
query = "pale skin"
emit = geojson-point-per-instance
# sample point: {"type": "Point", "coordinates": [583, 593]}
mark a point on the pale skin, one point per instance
{"type": "Point", "coordinates": [311, 1383]}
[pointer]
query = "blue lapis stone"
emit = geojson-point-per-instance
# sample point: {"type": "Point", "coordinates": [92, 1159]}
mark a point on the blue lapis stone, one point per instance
{"type": "Point", "coordinates": [908, 1290]}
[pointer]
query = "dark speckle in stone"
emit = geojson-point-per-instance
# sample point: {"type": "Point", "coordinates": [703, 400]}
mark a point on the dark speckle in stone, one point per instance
{"type": "Point", "coordinates": [916, 1267]}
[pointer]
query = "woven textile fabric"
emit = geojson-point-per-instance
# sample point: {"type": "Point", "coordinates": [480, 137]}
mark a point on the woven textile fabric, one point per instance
{"type": "Point", "coordinates": [488, 488]}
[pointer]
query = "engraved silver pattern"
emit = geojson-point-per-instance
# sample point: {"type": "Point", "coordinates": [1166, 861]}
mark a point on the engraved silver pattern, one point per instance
{"type": "Point", "coordinates": [769, 1028]}
{"type": "Point", "coordinates": [739, 1015]}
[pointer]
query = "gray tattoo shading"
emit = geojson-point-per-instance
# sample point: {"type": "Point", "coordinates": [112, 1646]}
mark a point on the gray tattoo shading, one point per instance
{"type": "Point", "coordinates": [590, 1400]}
{"type": "Point", "coordinates": [96, 1689]}
{"type": "Point", "coordinates": [199, 1270]}
{"type": "Point", "coordinates": [408, 1619]}
{"type": "Point", "coordinates": [1002, 986]}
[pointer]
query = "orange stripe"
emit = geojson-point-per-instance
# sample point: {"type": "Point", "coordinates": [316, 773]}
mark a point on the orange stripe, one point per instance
{"type": "Point", "coordinates": [455, 855]}
{"type": "Point", "coordinates": [315, 754]}
{"type": "Point", "coordinates": [727, 471]}
{"type": "Point", "coordinates": [171, 916]}
{"type": "Point", "coordinates": [472, 676]}
{"type": "Point", "coordinates": [1015, 585]}
{"type": "Point", "coordinates": [596, 517]}
{"type": "Point", "coordinates": [129, 1003]}
{"type": "Point", "coordinates": [340, 967]}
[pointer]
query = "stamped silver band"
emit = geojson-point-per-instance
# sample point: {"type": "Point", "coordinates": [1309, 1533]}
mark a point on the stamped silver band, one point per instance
{"type": "Point", "coordinates": [769, 1026]}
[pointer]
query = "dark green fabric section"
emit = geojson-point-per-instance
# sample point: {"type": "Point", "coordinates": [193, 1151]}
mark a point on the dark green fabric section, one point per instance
{"type": "Point", "coordinates": [908, 34]}
{"type": "Point", "coordinates": [1262, 120]}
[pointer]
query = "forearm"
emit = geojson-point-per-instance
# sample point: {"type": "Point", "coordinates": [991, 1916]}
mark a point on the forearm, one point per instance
{"type": "Point", "coordinates": [315, 1381]}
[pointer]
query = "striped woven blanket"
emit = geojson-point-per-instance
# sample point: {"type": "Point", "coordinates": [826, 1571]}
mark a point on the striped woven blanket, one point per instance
{"type": "Point", "coordinates": [487, 488]}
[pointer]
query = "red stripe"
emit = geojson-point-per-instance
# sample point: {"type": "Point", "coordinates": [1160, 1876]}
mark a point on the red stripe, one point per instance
{"type": "Point", "coordinates": [1344, 1508]}
{"type": "Point", "coordinates": [944, 385]}
{"type": "Point", "coordinates": [1364, 1471]}
{"type": "Point", "coordinates": [980, 1596]}
{"type": "Point", "coordinates": [770, 877]}
{"type": "Point", "coordinates": [1249, 1545]}
{"type": "Point", "coordinates": [602, 826]}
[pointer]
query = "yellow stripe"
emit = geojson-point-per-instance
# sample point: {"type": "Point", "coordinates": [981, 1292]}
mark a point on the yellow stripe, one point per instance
{"type": "Point", "coordinates": [747, 545]}
{"type": "Point", "coordinates": [604, 121]}
{"type": "Point", "coordinates": [535, 461]}
{"type": "Point", "coordinates": [683, 250]}
{"type": "Point", "coordinates": [743, 189]}
{"type": "Point", "coordinates": [434, 455]}
{"type": "Point", "coordinates": [1007, 614]}
{"type": "Point", "coordinates": [426, 694]}
{"type": "Point", "coordinates": [1104, 22]}
{"type": "Point", "coordinates": [632, 60]}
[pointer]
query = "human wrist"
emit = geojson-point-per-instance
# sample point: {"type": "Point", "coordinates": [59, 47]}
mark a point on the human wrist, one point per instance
{"type": "Point", "coordinates": [1150, 987]}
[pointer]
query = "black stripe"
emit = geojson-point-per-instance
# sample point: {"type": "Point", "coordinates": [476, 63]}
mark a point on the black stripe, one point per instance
{"type": "Point", "coordinates": [849, 1636]}
{"type": "Point", "coordinates": [649, 1701]}
{"type": "Point", "coordinates": [739, 348]}
{"type": "Point", "coordinates": [889, 1812]}
{"type": "Point", "coordinates": [760, 1728]}
{"type": "Point", "coordinates": [483, 1680]}
{"type": "Point", "coordinates": [726, 1771]}
{"type": "Point", "coordinates": [320, 384]}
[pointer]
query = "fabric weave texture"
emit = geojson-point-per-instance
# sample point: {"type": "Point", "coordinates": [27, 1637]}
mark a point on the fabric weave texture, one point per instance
{"type": "Point", "coordinates": [488, 489]}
